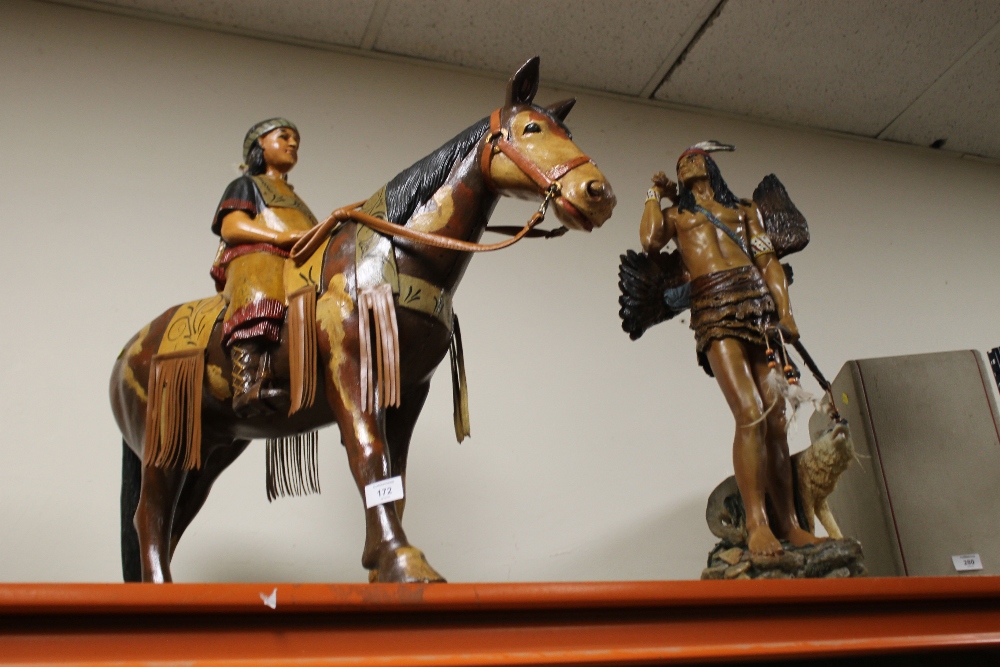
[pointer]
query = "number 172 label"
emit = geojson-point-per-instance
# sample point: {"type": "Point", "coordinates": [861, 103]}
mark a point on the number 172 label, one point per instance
{"type": "Point", "coordinates": [383, 491]}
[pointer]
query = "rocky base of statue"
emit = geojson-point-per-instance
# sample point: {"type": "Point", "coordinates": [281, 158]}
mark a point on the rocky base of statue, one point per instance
{"type": "Point", "coordinates": [831, 559]}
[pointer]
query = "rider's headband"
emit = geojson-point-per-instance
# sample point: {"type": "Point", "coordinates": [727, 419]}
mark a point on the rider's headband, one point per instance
{"type": "Point", "coordinates": [262, 128]}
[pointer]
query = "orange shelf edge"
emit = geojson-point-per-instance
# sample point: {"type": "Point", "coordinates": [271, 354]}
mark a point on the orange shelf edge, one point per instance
{"type": "Point", "coordinates": [493, 624]}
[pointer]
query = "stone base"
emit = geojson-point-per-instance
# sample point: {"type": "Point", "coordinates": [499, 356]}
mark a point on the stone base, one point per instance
{"type": "Point", "coordinates": [831, 559]}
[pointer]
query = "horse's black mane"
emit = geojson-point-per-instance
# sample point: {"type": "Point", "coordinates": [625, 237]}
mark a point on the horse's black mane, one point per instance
{"type": "Point", "coordinates": [415, 185]}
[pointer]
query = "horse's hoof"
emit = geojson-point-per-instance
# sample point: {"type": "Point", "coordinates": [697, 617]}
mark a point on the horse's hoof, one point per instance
{"type": "Point", "coordinates": [405, 565]}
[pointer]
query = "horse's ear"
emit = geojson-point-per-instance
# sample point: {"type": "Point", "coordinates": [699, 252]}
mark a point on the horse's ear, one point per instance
{"type": "Point", "coordinates": [523, 85]}
{"type": "Point", "coordinates": [561, 109]}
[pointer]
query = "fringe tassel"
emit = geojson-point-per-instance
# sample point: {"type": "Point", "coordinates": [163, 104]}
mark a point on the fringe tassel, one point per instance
{"type": "Point", "coordinates": [384, 372]}
{"type": "Point", "coordinates": [459, 388]}
{"type": "Point", "coordinates": [793, 394]}
{"type": "Point", "coordinates": [173, 410]}
{"type": "Point", "coordinates": [292, 465]}
{"type": "Point", "coordinates": [302, 348]}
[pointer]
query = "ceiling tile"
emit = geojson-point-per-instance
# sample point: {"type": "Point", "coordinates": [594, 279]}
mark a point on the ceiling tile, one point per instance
{"type": "Point", "coordinates": [963, 109]}
{"type": "Point", "coordinates": [848, 65]}
{"type": "Point", "coordinates": [341, 22]}
{"type": "Point", "coordinates": [613, 46]}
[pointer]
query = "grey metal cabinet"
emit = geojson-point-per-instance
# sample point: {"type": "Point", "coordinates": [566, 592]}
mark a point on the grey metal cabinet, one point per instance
{"type": "Point", "coordinates": [927, 485]}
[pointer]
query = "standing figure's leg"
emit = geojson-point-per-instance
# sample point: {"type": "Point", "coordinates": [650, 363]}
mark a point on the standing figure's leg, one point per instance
{"type": "Point", "coordinates": [779, 463]}
{"type": "Point", "coordinates": [154, 518]}
{"type": "Point", "coordinates": [731, 366]}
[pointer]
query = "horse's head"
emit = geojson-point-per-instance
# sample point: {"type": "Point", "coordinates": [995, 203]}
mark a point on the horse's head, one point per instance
{"type": "Point", "coordinates": [530, 153]}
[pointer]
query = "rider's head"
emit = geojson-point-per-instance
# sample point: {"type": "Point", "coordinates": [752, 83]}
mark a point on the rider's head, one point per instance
{"type": "Point", "coordinates": [271, 142]}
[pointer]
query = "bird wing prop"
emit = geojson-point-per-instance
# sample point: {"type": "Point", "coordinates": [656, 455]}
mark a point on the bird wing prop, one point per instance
{"type": "Point", "coordinates": [650, 287]}
{"type": "Point", "coordinates": [783, 222]}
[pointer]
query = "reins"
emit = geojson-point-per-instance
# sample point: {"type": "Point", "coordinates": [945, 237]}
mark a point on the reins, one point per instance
{"type": "Point", "coordinates": [496, 141]}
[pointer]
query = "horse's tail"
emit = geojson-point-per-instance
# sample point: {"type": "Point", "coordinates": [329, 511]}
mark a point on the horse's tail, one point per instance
{"type": "Point", "coordinates": [131, 483]}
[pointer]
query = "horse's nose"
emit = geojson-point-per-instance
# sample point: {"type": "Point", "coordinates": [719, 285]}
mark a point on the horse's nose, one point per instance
{"type": "Point", "coordinates": [597, 189]}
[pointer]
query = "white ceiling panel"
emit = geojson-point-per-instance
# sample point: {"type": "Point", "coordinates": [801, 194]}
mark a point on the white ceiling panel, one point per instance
{"type": "Point", "coordinates": [848, 65]}
{"type": "Point", "coordinates": [612, 46]}
{"type": "Point", "coordinates": [963, 108]}
{"type": "Point", "coordinates": [340, 22]}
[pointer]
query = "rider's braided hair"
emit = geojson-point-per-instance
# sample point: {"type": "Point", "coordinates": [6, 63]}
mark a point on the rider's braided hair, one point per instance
{"type": "Point", "coordinates": [255, 160]}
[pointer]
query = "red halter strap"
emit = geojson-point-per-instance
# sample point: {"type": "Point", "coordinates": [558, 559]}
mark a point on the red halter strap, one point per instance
{"type": "Point", "coordinates": [498, 140]}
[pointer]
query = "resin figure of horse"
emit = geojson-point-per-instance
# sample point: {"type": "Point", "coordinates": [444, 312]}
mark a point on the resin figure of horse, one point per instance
{"type": "Point", "coordinates": [523, 151]}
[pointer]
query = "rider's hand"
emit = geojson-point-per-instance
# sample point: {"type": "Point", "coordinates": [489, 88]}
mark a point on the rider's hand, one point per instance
{"type": "Point", "coordinates": [288, 239]}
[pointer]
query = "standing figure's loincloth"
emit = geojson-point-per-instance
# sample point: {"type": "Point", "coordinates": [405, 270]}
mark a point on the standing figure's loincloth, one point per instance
{"type": "Point", "coordinates": [735, 303]}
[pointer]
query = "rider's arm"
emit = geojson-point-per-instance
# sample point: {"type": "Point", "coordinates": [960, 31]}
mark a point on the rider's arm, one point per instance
{"type": "Point", "coordinates": [771, 270]}
{"type": "Point", "coordinates": [239, 228]}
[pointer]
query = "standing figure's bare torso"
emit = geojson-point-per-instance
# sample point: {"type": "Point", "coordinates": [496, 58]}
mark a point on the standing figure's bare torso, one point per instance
{"type": "Point", "coordinates": [705, 248]}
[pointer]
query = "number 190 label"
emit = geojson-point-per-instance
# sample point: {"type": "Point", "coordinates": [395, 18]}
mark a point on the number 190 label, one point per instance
{"type": "Point", "coordinates": [384, 491]}
{"type": "Point", "coordinates": [967, 562]}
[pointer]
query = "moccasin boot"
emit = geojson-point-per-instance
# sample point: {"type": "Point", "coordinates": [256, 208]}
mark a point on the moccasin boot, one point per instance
{"type": "Point", "coordinates": [251, 376]}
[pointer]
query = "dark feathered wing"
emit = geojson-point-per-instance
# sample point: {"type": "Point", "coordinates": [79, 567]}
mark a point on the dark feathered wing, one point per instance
{"type": "Point", "coordinates": [783, 222]}
{"type": "Point", "coordinates": [643, 280]}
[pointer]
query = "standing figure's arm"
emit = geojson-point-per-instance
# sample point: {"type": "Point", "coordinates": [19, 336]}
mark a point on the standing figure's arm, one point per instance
{"type": "Point", "coordinates": [656, 228]}
{"type": "Point", "coordinates": [770, 268]}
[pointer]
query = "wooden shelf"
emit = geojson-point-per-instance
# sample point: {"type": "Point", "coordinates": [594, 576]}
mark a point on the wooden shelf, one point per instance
{"type": "Point", "coordinates": [494, 624]}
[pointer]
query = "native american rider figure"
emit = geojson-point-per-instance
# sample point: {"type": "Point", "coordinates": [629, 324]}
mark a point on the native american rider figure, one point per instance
{"type": "Point", "coordinates": [259, 219]}
{"type": "Point", "coordinates": [726, 270]}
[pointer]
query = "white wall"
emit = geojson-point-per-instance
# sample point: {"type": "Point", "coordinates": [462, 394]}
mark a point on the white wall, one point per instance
{"type": "Point", "coordinates": [591, 456]}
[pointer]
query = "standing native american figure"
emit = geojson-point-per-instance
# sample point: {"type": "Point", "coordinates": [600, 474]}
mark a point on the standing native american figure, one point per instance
{"type": "Point", "coordinates": [726, 270]}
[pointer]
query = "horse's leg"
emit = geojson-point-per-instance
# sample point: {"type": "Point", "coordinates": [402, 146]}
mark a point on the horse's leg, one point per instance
{"type": "Point", "coordinates": [399, 424]}
{"type": "Point", "coordinates": [386, 549]}
{"type": "Point", "coordinates": [131, 485]}
{"type": "Point", "coordinates": [153, 519]}
{"type": "Point", "coordinates": [198, 483]}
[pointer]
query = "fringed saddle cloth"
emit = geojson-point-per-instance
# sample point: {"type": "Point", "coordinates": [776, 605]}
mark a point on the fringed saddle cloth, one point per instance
{"type": "Point", "coordinates": [173, 412]}
{"type": "Point", "coordinates": [173, 408]}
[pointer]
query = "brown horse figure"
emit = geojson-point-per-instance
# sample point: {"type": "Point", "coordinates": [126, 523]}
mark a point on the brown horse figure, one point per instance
{"type": "Point", "coordinates": [451, 193]}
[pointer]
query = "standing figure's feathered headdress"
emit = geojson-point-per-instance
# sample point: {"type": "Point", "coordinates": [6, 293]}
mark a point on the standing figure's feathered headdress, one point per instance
{"type": "Point", "coordinates": [706, 147]}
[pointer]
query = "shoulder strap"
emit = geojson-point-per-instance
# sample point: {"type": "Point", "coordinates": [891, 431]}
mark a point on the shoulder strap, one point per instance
{"type": "Point", "coordinates": [730, 233]}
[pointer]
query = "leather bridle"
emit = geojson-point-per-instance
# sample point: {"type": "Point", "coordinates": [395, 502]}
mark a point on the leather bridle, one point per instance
{"type": "Point", "coordinates": [496, 141]}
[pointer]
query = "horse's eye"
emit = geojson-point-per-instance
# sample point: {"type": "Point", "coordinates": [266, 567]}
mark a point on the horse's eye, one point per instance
{"type": "Point", "coordinates": [532, 127]}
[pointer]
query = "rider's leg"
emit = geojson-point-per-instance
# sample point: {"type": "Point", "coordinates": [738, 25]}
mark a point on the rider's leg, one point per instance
{"type": "Point", "coordinates": [252, 393]}
{"type": "Point", "coordinates": [728, 358]}
{"type": "Point", "coordinates": [779, 465]}
{"type": "Point", "coordinates": [154, 518]}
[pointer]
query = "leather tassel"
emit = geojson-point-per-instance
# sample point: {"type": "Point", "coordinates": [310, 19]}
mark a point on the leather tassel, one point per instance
{"type": "Point", "coordinates": [459, 388]}
{"type": "Point", "coordinates": [292, 465]}
{"type": "Point", "coordinates": [302, 348]}
{"type": "Point", "coordinates": [173, 410]}
{"type": "Point", "coordinates": [382, 371]}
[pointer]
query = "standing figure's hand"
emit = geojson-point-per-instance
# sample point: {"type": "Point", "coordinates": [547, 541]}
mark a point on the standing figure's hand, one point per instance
{"type": "Point", "coordinates": [665, 186]}
{"type": "Point", "coordinates": [789, 329]}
